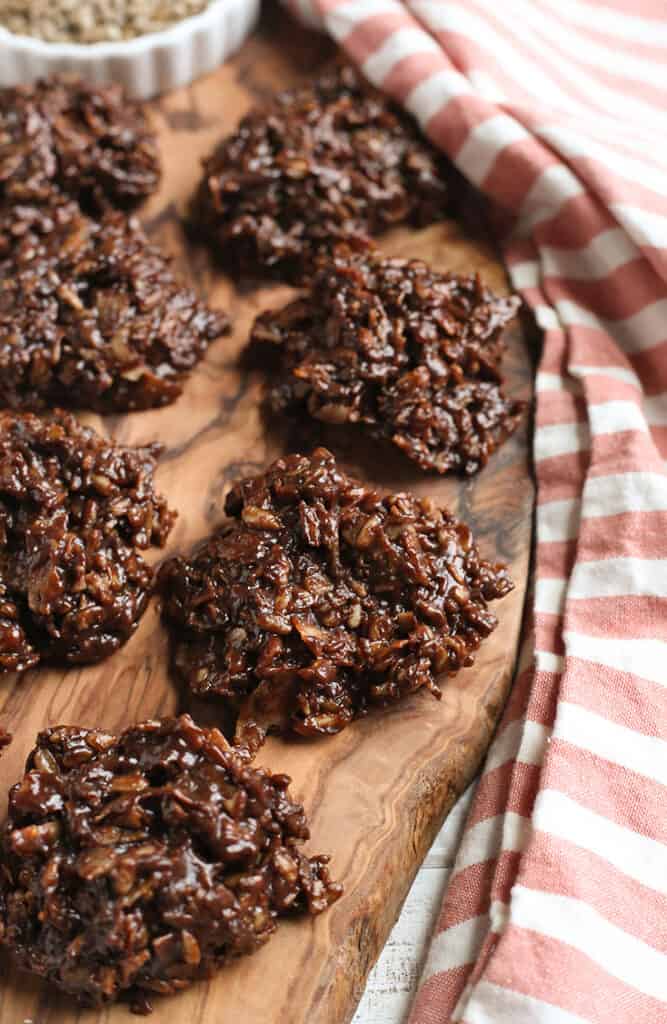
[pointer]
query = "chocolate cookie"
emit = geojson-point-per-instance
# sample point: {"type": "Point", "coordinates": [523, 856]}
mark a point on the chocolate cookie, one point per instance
{"type": "Point", "coordinates": [139, 863]}
{"type": "Point", "coordinates": [326, 162]}
{"type": "Point", "coordinates": [411, 355]}
{"type": "Point", "coordinates": [91, 314]}
{"type": "Point", "coordinates": [69, 136]}
{"type": "Point", "coordinates": [321, 597]}
{"type": "Point", "coordinates": [74, 510]}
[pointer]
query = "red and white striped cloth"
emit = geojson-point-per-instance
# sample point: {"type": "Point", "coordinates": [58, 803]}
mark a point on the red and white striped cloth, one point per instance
{"type": "Point", "coordinates": [556, 911]}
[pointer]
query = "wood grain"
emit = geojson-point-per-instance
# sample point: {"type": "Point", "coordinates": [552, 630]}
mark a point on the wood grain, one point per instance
{"type": "Point", "coordinates": [377, 793]}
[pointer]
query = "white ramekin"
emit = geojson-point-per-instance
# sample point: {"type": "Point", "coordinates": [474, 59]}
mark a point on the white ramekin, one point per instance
{"type": "Point", "coordinates": [146, 66]}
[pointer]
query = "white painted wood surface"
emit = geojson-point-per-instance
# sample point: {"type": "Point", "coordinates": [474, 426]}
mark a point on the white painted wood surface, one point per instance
{"type": "Point", "coordinates": [393, 981]}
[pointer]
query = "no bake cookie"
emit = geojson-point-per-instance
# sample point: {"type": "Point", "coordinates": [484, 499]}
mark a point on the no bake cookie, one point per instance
{"type": "Point", "coordinates": [75, 510]}
{"type": "Point", "coordinates": [92, 315]}
{"type": "Point", "coordinates": [321, 597]}
{"type": "Point", "coordinates": [65, 135]}
{"type": "Point", "coordinates": [411, 355]}
{"type": "Point", "coordinates": [329, 161]}
{"type": "Point", "coordinates": [138, 863]}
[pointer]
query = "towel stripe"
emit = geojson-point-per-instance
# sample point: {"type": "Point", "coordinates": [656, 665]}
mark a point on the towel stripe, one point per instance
{"type": "Point", "coordinates": [556, 908]}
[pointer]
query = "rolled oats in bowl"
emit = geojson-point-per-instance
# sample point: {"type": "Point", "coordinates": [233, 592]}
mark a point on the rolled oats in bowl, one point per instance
{"type": "Point", "coordinates": [149, 46]}
{"type": "Point", "coordinates": [94, 21]}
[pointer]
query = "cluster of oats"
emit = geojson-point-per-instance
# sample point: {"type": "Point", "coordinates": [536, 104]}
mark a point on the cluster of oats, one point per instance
{"type": "Point", "coordinates": [320, 597]}
{"type": "Point", "coordinates": [76, 510]}
{"type": "Point", "coordinates": [411, 355]}
{"type": "Point", "coordinates": [151, 858]}
{"type": "Point", "coordinates": [94, 21]}
{"type": "Point", "coordinates": [330, 162]}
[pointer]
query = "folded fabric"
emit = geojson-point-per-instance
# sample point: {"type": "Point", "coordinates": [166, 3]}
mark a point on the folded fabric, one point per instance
{"type": "Point", "coordinates": [556, 911]}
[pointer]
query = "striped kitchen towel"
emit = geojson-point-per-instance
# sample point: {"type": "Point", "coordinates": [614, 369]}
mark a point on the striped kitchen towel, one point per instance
{"type": "Point", "coordinates": [556, 911]}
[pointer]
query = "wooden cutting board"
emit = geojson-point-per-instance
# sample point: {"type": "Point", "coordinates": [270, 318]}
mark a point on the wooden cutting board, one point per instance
{"type": "Point", "coordinates": [376, 794]}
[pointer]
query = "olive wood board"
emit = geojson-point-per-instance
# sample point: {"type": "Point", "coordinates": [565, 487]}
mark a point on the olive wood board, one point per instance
{"type": "Point", "coordinates": [377, 793]}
